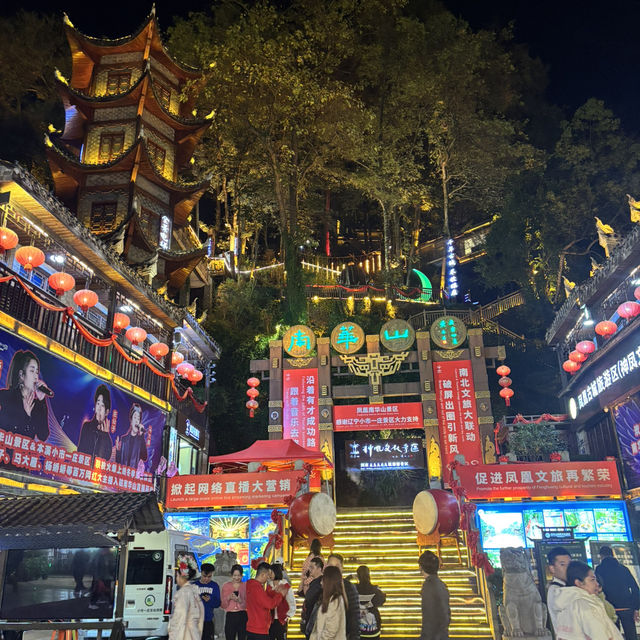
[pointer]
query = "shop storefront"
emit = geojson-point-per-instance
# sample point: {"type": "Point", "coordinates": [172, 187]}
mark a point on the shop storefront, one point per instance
{"type": "Point", "coordinates": [188, 442]}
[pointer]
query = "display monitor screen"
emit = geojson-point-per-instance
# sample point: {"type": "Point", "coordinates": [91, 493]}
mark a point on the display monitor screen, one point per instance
{"type": "Point", "coordinates": [59, 584]}
{"type": "Point", "coordinates": [519, 525]}
{"type": "Point", "coordinates": [501, 529]}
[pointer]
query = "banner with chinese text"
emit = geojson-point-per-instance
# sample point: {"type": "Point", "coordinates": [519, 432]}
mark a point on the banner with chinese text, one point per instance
{"type": "Point", "coordinates": [300, 414]}
{"type": "Point", "coordinates": [374, 417]}
{"type": "Point", "coordinates": [60, 422]}
{"type": "Point", "coordinates": [457, 415]}
{"type": "Point", "coordinates": [627, 419]}
{"type": "Point", "coordinates": [539, 479]}
{"type": "Point", "coordinates": [232, 489]}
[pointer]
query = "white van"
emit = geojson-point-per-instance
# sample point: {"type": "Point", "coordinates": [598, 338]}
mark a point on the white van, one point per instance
{"type": "Point", "coordinates": [150, 578]}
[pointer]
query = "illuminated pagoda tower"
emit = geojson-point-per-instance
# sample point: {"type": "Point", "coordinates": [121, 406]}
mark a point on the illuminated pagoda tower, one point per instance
{"type": "Point", "coordinates": [116, 165]}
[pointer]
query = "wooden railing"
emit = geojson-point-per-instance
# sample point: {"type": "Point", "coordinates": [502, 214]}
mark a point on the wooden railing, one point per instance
{"type": "Point", "coordinates": [14, 301]}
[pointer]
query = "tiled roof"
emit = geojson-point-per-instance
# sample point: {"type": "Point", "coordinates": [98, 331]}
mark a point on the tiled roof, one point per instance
{"type": "Point", "coordinates": [84, 519]}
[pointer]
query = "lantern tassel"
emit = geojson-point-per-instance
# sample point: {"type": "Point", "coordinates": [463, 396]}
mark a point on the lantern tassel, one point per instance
{"type": "Point", "coordinates": [507, 401]}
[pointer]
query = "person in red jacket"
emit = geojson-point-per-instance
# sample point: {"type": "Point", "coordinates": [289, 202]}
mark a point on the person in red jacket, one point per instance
{"type": "Point", "coordinates": [260, 602]}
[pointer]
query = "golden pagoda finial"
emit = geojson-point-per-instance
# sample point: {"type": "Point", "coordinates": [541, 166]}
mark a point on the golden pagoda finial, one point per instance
{"type": "Point", "coordinates": [65, 19]}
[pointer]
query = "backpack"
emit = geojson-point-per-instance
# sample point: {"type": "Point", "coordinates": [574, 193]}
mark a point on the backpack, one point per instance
{"type": "Point", "coordinates": [368, 622]}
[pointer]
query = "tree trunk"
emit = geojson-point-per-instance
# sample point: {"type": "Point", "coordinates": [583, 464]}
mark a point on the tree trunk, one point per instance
{"type": "Point", "coordinates": [385, 238]}
{"type": "Point", "coordinates": [445, 197]}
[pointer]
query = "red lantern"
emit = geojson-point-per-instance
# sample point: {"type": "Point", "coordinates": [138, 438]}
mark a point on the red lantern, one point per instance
{"type": "Point", "coordinates": [636, 293]}
{"type": "Point", "coordinates": [29, 257]}
{"type": "Point", "coordinates": [61, 282]}
{"type": "Point", "coordinates": [253, 382]}
{"type": "Point", "coordinates": [586, 347]}
{"type": "Point", "coordinates": [8, 239]}
{"type": "Point", "coordinates": [253, 393]}
{"type": "Point", "coordinates": [194, 376]}
{"type": "Point", "coordinates": [629, 310]}
{"type": "Point", "coordinates": [578, 357]}
{"type": "Point", "coordinates": [183, 368]}
{"type": "Point", "coordinates": [606, 328]}
{"type": "Point", "coordinates": [507, 394]}
{"type": "Point", "coordinates": [504, 381]}
{"type": "Point", "coordinates": [252, 405]}
{"type": "Point", "coordinates": [136, 335]}
{"type": "Point", "coordinates": [176, 359]}
{"type": "Point", "coordinates": [159, 350]}
{"type": "Point", "coordinates": [503, 370]}
{"type": "Point", "coordinates": [85, 298]}
{"type": "Point", "coordinates": [120, 321]}
{"type": "Point", "coordinates": [570, 366]}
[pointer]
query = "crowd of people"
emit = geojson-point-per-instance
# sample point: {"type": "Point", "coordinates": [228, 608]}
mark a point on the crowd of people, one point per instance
{"type": "Point", "coordinates": [334, 608]}
{"type": "Point", "coordinates": [585, 604]}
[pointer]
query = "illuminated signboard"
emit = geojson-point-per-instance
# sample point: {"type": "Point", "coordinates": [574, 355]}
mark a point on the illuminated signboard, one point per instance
{"type": "Point", "coordinates": [300, 407]}
{"type": "Point", "coordinates": [384, 455]}
{"type": "Point", "coordinates": [540, 479]}
{"type": "Point", "coordinates": [448, 332]}
{"type": "Point", "coordinates": [232, 489]}
{"type": "Point", "coordinates": [618, 371]}
{"type": "Point", "coordinates": [77, 428]}
{"type": "Point", "coordinates": [365, 417]}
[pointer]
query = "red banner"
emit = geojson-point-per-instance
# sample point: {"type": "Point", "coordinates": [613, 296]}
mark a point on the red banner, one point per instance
{"type": "Point", "coordinates": [300, 415]}
{"type": "Point", "coordinates": [540, 479]}
{"type": "Point", "coordinates": [232, 489]}
{"type": "Point", "coordinates": [457, 415]}
{"type": "Point", "coordinates": [46, 459]}
{"type": "Point", "coordinates": [374, 417]}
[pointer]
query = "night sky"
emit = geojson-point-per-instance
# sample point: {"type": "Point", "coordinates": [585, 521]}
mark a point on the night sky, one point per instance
{"type": "Point", "coordinates": [590, 48]}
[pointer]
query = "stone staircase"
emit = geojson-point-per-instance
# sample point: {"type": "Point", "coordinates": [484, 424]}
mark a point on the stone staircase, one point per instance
{"type": "Point", "coordinates": [385, 540]}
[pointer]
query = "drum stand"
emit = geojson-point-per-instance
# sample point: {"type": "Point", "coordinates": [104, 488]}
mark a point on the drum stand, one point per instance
{"type": "Point", "coordinates": [436, 539]}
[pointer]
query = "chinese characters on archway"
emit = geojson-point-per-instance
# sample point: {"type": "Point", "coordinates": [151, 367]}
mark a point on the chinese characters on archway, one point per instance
{"type": "Point", "coordinates": [300, 407]}
{"type": "Point", "coordinates": [457, 415]}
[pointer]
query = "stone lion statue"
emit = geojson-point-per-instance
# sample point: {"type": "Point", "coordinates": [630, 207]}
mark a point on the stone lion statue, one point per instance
{"type": "Point", "coordinates": [522, 613]}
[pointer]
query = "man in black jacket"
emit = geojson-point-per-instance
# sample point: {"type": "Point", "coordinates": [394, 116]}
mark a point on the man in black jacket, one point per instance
{"type": "Point", "coordinates": [353, 608]}
{"type": "Point", "coordinates": [436, 614]}
{"type": "Point", "coordinates": [620, 589]}
{"type": "Point", "coordinates": [313, 595]}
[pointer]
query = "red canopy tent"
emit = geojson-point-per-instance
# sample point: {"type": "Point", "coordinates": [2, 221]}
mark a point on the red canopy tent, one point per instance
{"type": "Point", "coordinates": [274, 454]}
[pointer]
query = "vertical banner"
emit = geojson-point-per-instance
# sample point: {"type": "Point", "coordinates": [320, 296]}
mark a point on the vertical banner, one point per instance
{"type": "Point", "coordinates": [457, 415]}
{"type": "Point", "coordinates": [300, 414]}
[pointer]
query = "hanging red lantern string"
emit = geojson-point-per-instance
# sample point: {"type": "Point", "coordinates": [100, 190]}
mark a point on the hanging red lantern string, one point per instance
{"type": "Point", "coordinates": [628, 309]}
{"type": "Point", "coordinates": [159, 349]}
{"type": "Point", "coordinates": [8, 239]}
{"type": "Point", "coordinates": [505, 382]}
{"type": "Point", "coordinates": [61, 282]}
{"type": "Point", "coordinates": [503, 370]}
{"type": "Point", "coordinates": [120, 321]}
{"type": "Point", "coordinates": [253, 382]}
{"type": "Point", "coordinates": [570, 366]}
{"type": "Point", "coordinates": [85, 298]}
{"type": "Point", "coordinates": [636, 293]}
{"type": "Point", "coordinates": [107, 342]}
{"type": "Point", "coordinates": [136, 335]}
{"type": "Point", "coordinates": [578, 357]}
{"type": "Point", "coordinates": [252, 405]}
{"type": "Point", "coordinates": [606, 328]}
{"type": "Point", "coordinates": [586, 347]}
{"type": "Point", "coordinates": [507, 394]}
{"type": "Point", "coordinates": [29, 257]}
{"type": "Point", "coordinates": [194, 376]}
{"type": "Point", "coordinates": [184, 368]}
{"type": "Point", "coordinates": [176, 359]}
{"type": "Point", "coordinates": [253, 393]}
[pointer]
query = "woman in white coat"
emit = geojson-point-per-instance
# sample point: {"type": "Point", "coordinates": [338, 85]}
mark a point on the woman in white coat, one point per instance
{"type": "Point", "coordinates": [331, 623]}
{"type": "Point", "coordinates": [187, 616]}
{"type": "Point", "coordinates": [581, 614]}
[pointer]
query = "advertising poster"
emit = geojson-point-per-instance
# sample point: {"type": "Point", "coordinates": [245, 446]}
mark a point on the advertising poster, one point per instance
{"type": "Point", "coordinates": [457, 415]}
{"type": "Point", "coordinates": [300, 413]}
{"type": "Point", "coordinates": [59, 421]}
{"type": "Point", "coordinates": [627, 419]}
{"type": "Point", "coordinates": [374, 417]}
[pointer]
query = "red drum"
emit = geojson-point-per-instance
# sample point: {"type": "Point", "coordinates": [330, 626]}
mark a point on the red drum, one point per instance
{"type": "Point", "coordinates": [436, 509]}
{"type": "Point", "coordinates": [312, 515]}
